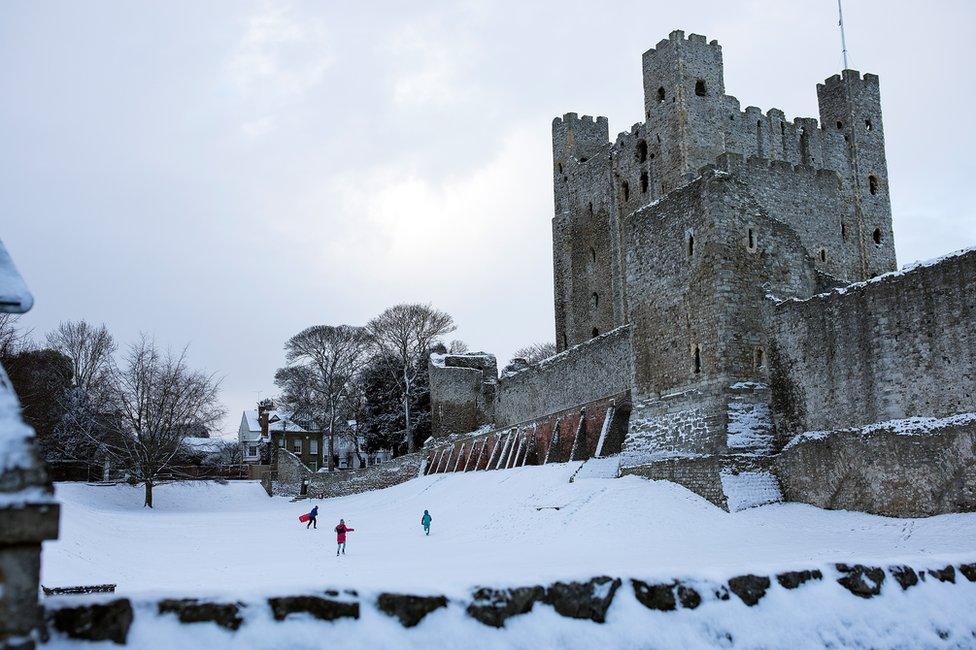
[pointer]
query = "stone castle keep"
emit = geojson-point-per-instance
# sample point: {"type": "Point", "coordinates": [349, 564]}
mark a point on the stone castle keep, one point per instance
{"type": "Point", "coordinates": [727, 315]}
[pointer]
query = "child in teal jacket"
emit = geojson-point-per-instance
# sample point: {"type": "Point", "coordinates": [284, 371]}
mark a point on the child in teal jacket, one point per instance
{"type": "Point", "coordinates": [425, 522]}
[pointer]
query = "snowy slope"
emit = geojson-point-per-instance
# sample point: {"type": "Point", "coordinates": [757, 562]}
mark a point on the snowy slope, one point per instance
{"type": "Point", "coordinates": [514, 527]}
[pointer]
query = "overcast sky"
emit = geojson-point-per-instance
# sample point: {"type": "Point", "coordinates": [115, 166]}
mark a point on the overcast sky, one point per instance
{"type": "Point", "coordinates": [225, 174]}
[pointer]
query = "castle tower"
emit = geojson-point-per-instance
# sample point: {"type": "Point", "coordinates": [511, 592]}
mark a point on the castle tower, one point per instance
{"type": "Point", "coordinates": [684, 89]}
{"type": "Point", "coordinates": [852, 105]}
{"type": "Point", "coordinates": [585, 252]}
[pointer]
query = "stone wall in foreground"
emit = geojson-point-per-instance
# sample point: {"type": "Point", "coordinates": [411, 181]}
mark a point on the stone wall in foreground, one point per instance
{"type": "Point", "coordinates": [714, 612]}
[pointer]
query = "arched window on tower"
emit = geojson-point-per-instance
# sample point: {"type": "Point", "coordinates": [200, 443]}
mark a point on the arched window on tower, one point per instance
{"type": "Point", "coordinates": [700, 89]}
{"type": "Point", "coordinates": [697, 361]}
{"type": "Point", "coordinates": [596, 300]}
{"type": "Point", "coordinates": [877, 236]}
{"type": "Point", "coordinates": [643, 182]}
{"type": "Point", "coordinates": [625, 190]}
{"type": "Point", "coordinates": [660, 94]}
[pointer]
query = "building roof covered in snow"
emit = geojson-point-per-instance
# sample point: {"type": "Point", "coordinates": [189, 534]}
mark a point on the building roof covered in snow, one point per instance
{"type": "Point", "coordinates": [278, 421]}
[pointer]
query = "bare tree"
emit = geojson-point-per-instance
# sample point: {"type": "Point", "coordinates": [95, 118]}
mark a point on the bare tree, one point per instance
{"type": "Point", "coordinates": [536, 352]}
{"type": "Point", "coordinates": [324, 361]}
{"type": "Point", "coordinates": [12, 339]}
{"type": "Point", "coordinates": [457, 346]}
{"type": "Point", "coordinates": [159, 400]}
{"type": "Point", "coordinates": [91, 350]}
{"type": "Point", "coordinates": [406, 332]}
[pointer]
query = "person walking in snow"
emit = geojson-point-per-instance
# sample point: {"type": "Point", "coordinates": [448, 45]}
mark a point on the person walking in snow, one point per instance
{"type": "Point", "coordinates": [341, 531]}
{"type": "Point", "coordinates": [425, 522]}
{"type": "Point", "coordinates": [311, 518]}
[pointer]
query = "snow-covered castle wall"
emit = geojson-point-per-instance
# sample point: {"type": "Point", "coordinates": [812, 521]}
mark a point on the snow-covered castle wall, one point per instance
{"type": "Point", "coordinates": [595, 370]}
{"type": "Point", "coordinates": [466, 392]}
{"type": "Point", "coordinates": [874, 392]}
{"type": "Point", "coordinates": [901, 345]}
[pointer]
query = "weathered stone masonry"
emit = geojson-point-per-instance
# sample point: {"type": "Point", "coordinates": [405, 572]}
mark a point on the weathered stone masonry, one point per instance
{"type": "Point", "coordinates": [707, 234]}
{"type": "Point", "coordinates": [898, 346]}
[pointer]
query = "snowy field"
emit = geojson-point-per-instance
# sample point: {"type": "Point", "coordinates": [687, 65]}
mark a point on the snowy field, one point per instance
{"type": "Point", "coordinates": [500, 528]}
{"type": "Point", "coordinates": [506, 528]}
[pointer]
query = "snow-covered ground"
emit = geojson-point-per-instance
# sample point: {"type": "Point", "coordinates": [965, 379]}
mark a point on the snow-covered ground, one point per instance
{"type": "Point", "coordinates": [500, 528]}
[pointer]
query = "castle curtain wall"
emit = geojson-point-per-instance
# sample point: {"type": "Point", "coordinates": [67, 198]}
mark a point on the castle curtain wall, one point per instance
{"type": "Point", "coordinates": [592, 371]}
{"type": "Point", "coordinates": [896, 347]}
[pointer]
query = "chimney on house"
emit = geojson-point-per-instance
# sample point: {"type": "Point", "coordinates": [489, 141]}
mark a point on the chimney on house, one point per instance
{"type": "Point", "coordinates": [265, 406]}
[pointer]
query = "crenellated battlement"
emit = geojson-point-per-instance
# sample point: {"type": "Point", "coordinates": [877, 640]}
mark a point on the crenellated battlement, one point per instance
{"type": "Point", "coordinates": [580, 138]}
{"type": "Point", "coordinates": [824, 177]}
{"type": "Point", "coordinates": [677, 37]}
{"type": "Point", "coordinates": [849, 76]}
{"type": "Point", "coordinates": [734, 162]}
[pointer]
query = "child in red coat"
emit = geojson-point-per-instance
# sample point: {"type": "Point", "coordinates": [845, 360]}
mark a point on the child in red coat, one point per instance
{"type": "Point", "coordinates": [341, 531]}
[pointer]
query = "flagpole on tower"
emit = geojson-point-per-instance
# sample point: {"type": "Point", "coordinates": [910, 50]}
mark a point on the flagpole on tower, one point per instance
{"type": "Point", "coordinates": [843, 40]}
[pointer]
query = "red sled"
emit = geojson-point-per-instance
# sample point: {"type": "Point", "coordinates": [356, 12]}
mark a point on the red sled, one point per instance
{"type": "Point", "coordinates": [304, 517]}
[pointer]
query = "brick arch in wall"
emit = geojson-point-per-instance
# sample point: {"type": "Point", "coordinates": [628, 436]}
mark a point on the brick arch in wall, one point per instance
{"type": "Point", "coordinates": [573, 434]}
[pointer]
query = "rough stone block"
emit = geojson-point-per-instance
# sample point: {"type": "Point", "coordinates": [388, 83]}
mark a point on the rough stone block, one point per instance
{"type": "Point", "coordinates": [191, 610]}
{"type": "Point", "coordinates": [968, 570]}
{"type": "Point", "coordinates": [688, 596]}
{"type": "Point", "coordinates": [326, 609]}
{"type": "Point", "coordinates": [945, 574]}
{"type": "Point", "coordinates": [410, 610]}
{"type": "Point", "coordinates": [793, 579]}
{"type": "Point", "coordinates": [904, 576]}
{"type": "Point", "coordinates": [96, 622]}
{"type": "Point", "coordinates": [655, 596]}
{"type": "Point", "coordinates": [494, 606]}
{"type": "Point", "coordinates": [588, 600]}
{"type": "Point", "coordinates": [861, 580]}
{"type": "Point", "coordinates": [749, 588]}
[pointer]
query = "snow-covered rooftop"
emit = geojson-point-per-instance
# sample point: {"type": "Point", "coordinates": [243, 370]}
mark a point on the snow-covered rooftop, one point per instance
{"type": "Point", "coordinates": [278, 421]}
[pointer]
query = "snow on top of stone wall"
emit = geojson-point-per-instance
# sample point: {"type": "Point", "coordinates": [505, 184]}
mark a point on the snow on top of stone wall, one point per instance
{"type": "Point", "coordinates": [565, 354]}
{"type": "Point", "coordinates": [914, 426]}
{"type": "Point", "coordinates": [908, 268]}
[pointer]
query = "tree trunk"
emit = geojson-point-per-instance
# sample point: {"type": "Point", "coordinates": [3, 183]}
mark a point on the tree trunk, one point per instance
{"type": "Point", "coordinates": [149, 487]}
{"type": "Point", "coordinates": [406, 415]}
{"type": "Point", "coordinates": [406, 410]}
{"type": "Point", "coordinates": [332, 441]}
